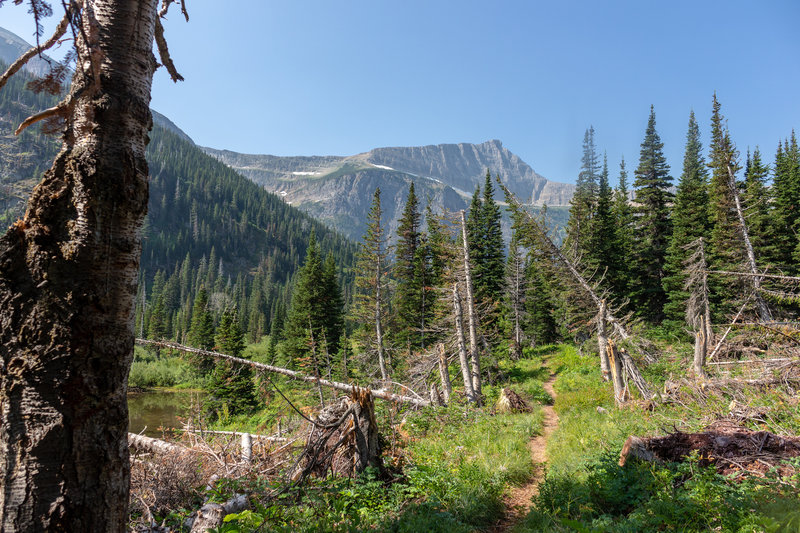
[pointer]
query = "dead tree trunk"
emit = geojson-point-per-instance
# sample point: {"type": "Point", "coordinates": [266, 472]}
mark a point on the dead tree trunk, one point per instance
{"type": "Point", "coordinates": [615, 360]}
{"type": "Point", "coordinates": [469, 391]}
{"type": "Point", "coordinates": [473, 318]}
{"type": "Point", "coordinates": [618, 328]}
{"type": "Point", "coordinates": [763, 310]}
{"type": "Point", "coordinates": [379, 324]}
{"type": "Point", "coordinates": [68, 280]}
{"type": "Point", "coordinates": [444, 374]}
{"type": "Point", "coordinates": [602, 341]}
{"type": "Point", "coordinates": [380, 393]}
{"type": "Point", "coordinates": [700, 350]}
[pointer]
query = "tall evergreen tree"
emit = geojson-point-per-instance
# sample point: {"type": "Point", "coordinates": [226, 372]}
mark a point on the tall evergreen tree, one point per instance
{"type": "Point", "coordinates": [725, 245]}
{"type": "Point", "coordinates": [786, 215]}
{"type": "Point", "coordinates": [653, 226]}
{"type": "Point", "coordinates": [624, 232]}
{"type": "Point", "coordinates": [231, 387]}
{"type": "Point", "coordinates": [582, 204]}
{"type": "Point", "coordinates": [689, 222]}
{"type": "Point", "coordinates": [371, 297]}
{"type": "Point", "coordinates": [604, 254]}
{"type": "Point", "coordinates": [201, 331]}
{"type": "Point", "coordinates": [313, 316]}
{"type": "Point", "coordinates": [757, 199]}
{"type": "Point", "coordinates": [408, 298]}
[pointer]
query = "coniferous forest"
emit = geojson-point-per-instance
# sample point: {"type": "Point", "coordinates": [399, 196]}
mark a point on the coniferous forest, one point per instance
{"type": "Point", "coordinates": [635, 370]}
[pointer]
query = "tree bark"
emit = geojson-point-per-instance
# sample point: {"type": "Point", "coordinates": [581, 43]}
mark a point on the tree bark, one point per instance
{"type": "Point", "coordinates": [475, 356]}
{"type": "Point", "coordinates": [615, 360]}
{"type": "Point", "coordinates": [700, 350]}
{"type": "Point", "coordinates": [602, 341]}
{"type": "Point", "coordinates": [469, 391]}
{"type": "Point", "coordinates": [444, 374]}
{"type": "Point", "coordinates": [378, 324]}
{"type": "Point", "coordinates": [68, 281]}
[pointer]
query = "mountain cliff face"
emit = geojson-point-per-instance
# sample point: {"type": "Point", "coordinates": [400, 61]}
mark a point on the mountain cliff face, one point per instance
{"type": "Point", "coordinates": [338, 190]}
{"type": "Point", "coordinates": [12, 46]}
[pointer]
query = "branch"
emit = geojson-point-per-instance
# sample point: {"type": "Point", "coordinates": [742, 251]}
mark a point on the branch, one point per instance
{"type": "Point", "coordinates": [163, 52]}
{"type": "Point", "coordinates": [380, 393]}
{"type": "Point", "coordinates": [24, 58]}
{"type": "Point", "coordinates": [47, 113]}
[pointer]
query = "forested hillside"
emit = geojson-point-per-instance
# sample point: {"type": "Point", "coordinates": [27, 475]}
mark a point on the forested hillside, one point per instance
{"type": "Point", "coordinates": [206, 225]}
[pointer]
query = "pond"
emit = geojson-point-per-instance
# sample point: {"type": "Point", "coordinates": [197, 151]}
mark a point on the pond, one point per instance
{"type": "Point", "coordinates": [157, 409]}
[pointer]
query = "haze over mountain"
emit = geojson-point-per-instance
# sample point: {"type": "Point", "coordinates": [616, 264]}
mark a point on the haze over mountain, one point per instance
{"type": "Point", "coordinates": [338, 190]}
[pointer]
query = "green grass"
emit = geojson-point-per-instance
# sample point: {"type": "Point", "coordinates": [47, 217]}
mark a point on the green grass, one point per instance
{"type": "Point", "coordinates": [586, 490]}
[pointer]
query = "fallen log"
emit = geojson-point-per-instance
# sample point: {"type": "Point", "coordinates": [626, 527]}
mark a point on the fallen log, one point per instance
{"type": "Point", "coordinates": [730, 449]}
{"type": "Point", "coordinates": [377, 393]}
{"type": "Point", "coordinates": [152, 445]}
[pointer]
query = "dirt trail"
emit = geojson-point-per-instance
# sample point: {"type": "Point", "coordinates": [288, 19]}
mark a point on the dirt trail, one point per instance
{"type": "Point", "coordinates": [518, 501]}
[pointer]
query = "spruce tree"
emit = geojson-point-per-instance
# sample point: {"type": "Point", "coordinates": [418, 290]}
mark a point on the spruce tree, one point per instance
{"type": "Point", "coordinates": [604, 254]}
{"type": "Point", "coordinates": [371, 297]}
{"type": "Point", "coordinates": [231, 387]}
{"type": "Point", "coordinates": [312, 317]}
{"type": "Point", "coordinates": [689, 222]}
{"type": "Point", "coordinates": [624, 230]}
{"type": "Point", "coordinates": [582, 204]}
{"type": "Point", "coordinates": [201, 331]}
{"type": "Point", "coordinates": [491, 270]}
{"type": "Point", "coordinates": [786, 214]}
{"type": "Point", "coordinates": [653, 226]}
{"type": "Point", "coordinates": [725, 249]}
{"type": "Point", "coordinates": [408, 298]}
{"type": "Point", "coordinates": [757, 199]}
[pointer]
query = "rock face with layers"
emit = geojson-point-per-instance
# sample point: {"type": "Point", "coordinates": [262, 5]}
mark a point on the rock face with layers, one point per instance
{"type": "Point", "coordinates": [338, 189]}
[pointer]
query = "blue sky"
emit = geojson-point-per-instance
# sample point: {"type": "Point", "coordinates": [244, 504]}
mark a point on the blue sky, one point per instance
{"type": "Point", "coordinates": [321, 77]}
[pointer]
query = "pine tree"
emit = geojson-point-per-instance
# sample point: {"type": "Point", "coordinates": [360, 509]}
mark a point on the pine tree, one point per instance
{"type": "Point", "coordinates": [312, 317]}
{"type": "Point", "coordinates": [757, 199]}
{"type": "Point", "coordinates": [604, 254]}
{"type": "Point", "coordinates": [231, 387]}
{"type": "Point", "coordinates": [724, 247]}
{"type": "Point", "coordinates": [624, 232]}
{"type": "Point", "coordinates": [540, 323]}
{"type": "Point", "coordinates": [582, 204]}
{"type": "Point", "coordinates": [786, 213]}
{"type": "Point", "coordinates": [653, 225]}
{"type": "Point", "coordinates": [490, 271]}
{"type": "Point", "coordinates": [689, 221]}
{"type": "Point", "coordinates": [408, 298]}
{"type": "Point", "coordinates": [370, 305]}
{"type": "Point", "coordinates": [201, 330]}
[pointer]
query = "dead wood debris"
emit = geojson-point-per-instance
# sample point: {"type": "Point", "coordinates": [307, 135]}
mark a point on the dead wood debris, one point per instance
{"type": "Point", "coordinates": [730, 448]}
{"type": "Point", "coordinates": [511, 402]}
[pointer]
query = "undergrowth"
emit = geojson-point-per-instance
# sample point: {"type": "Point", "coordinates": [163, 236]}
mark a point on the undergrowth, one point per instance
{"type": "Point", "coordinates": [586, 490]}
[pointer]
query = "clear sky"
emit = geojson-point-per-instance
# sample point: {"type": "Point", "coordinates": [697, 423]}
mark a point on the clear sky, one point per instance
{"type": "Point", "coordinates": [324, 77]}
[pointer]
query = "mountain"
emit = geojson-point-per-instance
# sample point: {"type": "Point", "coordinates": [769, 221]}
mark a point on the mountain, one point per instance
{"type": "Point", "coordinates": [12, 46]}
{"type": "Point", "coordinates": [338, 190]}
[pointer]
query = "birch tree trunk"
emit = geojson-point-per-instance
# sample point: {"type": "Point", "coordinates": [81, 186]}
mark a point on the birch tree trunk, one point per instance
{"type": "Point", "coordinates": [473, 319]}
{"type": "Point", "coordinates": [462, 348]}
{"type": "Point", "coordinates": [68, 281]}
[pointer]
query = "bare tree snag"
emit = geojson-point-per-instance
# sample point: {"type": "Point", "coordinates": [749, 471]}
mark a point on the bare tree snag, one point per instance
{"type": "Point", "coordinates": [444, 374]}
{"type": "Point", "coordinates": [602, 340]}
{"type": "Point", "coordinates": [763, 310]}
{"type": "Point", "coordinates": [700, 350]}
{"type": "Point", "coordinates": [469, 391]}
{"type": "Point", "coordinates": [212, 515]}
{"type": "Point", "coordinates": [475, 356]}
{"type": "Point", "coordinates": [615, 360]}
{"type": "Point", "coordinates": [618, 328]}
{"type": "Point", "coordinates": [380, 393]}
{"type": "Point", "coordinates": [68, 281]}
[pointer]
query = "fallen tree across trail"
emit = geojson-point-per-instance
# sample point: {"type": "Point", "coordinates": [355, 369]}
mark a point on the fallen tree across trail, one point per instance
{"type": "Point", "coordinates": [377, 393]}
